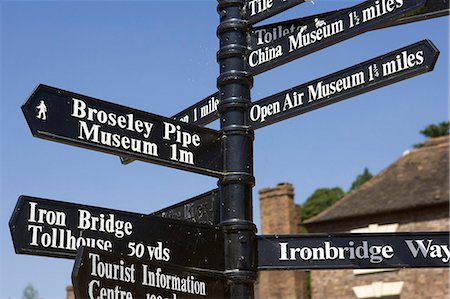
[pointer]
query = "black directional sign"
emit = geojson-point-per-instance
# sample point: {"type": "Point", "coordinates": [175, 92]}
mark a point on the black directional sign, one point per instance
{"type": "Point", "coordinates": [387, 69]}
{"type": "Point", "coordinates": [98, 274]}
{"type": "Point", "coordinates": [74, 119]}
{"type": "Point", "coordinates": [204, 208]}
{"type": "Point", "coordinates": [55, 228]}
{"type": "Point", "coordinates": [328, 31]}
{"type": "Point", "coordinates": [266, 34]}
{"type": "Point", "coordinates": [258, 10]}
{"type": "Point", "coordinates": [347, 251]}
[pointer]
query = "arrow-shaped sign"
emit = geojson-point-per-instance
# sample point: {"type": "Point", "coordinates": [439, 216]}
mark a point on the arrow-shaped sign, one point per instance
{"type": "Point", "coordinates": [79, 120]}
{"type": "Point", "coordinates": [387, 69]}
{"type": "Point", "coordinates": [57, 229]}
{"type": "Point", "coordinates": [203, 208]}
{"type": "Point", "coordinates": [264, 35]}
{"type": "Point", "coordinates": [350, 251]}
{"type": "Point", "coordinates": [98, 274]}
{"type": "Point", "coordinates": [328, 31]}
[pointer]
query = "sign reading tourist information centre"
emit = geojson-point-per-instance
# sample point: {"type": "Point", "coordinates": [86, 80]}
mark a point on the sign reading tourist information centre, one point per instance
{"type": "Point", "coordinates": [56, 228]}
{"type": "Point", "coordinates": [128, 255]}
{"type": "Point", "coordinates": [71, 118]}
{"type": "Point", "coordinates": [98, 274]}
{"type": "Point", "coordinates": [346, 251]}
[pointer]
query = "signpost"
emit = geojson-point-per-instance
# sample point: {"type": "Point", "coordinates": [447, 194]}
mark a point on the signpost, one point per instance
{"type": "Point", "coordinates": [354, 251]}
{"type": "Point", "coordinates": [74, 119]}
{"type": "Point", "coordinates": [57, 229]}
{"type": "Point", "coordinates": [137, 278]}
{"type": "Point", "coordinates": [327, 31]}
{"type": "Point", "coordinates": [203, 208]}
{"type": "Point", "coordinates": [211, 250]}
{"type": "Point", "coordinates": [384, 70]}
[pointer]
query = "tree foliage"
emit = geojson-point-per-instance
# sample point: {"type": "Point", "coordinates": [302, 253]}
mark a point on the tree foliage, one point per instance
{"type": "Point", "coordinates": [430, 131]}
{"type": "Point", "coordinates": [320, 200]}
{"type": "Point", "coordinates": [29, 292]}
{"type": "Point", "coordinates": [361, 179]}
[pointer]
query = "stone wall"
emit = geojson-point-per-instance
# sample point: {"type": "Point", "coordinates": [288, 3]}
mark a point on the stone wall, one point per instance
{"type": "Point", "coordinates": [280, 215]}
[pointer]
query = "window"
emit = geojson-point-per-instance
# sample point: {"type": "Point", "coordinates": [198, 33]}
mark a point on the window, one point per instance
{"type": "Point", "coordinates": [375, 228]}
{"type": "Point", "coordinates": [379, 289]}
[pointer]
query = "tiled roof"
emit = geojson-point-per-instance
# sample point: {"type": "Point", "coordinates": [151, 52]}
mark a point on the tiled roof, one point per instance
{"type": "Point", "coordinates": [420, 178]}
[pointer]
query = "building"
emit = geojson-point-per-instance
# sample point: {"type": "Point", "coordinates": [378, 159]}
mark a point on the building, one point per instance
{"type": "Point", "coordinates": [411, 195]}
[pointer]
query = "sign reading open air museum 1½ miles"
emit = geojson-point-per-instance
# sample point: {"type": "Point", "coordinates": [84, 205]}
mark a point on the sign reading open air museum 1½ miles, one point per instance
{"type": "Point", "coordinates": [83, 121]}
{"type": "Point", "coordinates": [387, 69]}
{"type": "Point", "coordinates": [98, 274]}
{"type": "Point", "coordinates": [55, 228]}
{"type": "Point", "coordinates": [331, 30]}
{"type": "Point", "coordinates": [346, 251]}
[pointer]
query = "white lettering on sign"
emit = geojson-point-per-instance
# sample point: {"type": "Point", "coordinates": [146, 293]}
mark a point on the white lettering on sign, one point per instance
{"type": "Point", "coordinates": [158, 279]}
{"type": "Point", "coordinates": [264, 36]}
{"type": "Point", "coordinates": [303, 39]}
{"type": "Point", "coordinates": [102, 223]}
{"type": "Point", "coordinates": [427, 248]}
{"type": "Point", "coordinates": [264, 55]}
{"type": "Point", "coordinates": [374, 253]}
{"type": "Point", "coordinates": [403, 62]}
{"type": "Point", "coordinates": [322, 90]}
{"type": "Point", "coordinates": [94, 132]}
{"type": "Point", "coordinates": [380, 8]}
{"type": "Point", "coordinates": [258, 6]}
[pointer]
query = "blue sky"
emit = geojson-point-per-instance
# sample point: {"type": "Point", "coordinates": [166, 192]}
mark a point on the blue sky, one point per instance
{"type": "Point", "coordinates": [160, 57]}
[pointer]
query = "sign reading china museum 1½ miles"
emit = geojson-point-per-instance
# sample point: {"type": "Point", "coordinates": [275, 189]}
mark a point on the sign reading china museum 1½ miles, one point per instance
{"type": "Point", "coordinates": [347, 251]}
{"type": "Point", "coordinates": [329, 31]}
{"type": "Point", "coordinates": [74, 119]}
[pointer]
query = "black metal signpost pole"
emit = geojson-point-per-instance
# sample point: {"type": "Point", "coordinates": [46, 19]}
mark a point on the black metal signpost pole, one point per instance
{"type": "Point", "coordinates": [234, 84]}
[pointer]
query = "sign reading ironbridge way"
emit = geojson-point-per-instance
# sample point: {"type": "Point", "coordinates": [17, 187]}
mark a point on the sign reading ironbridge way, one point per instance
{"type": "Point", "coordinates": [71, 118]}
{"type": "Point", "coordinates": [347, 251]}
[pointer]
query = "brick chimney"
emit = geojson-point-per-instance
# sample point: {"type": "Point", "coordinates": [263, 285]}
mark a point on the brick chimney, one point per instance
{"type": "Point", "coordinates": [280, 215]}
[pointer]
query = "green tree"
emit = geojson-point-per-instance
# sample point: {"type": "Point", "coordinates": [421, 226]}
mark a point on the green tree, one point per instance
{"type": "Point", "coordinates": [430, 131]}
{"type": "Point", "coordinates": [320, 200]}
{"type": "Point", "coordinates": [361, 179]}
{"type": "Point", "coordinates": [29, 292]}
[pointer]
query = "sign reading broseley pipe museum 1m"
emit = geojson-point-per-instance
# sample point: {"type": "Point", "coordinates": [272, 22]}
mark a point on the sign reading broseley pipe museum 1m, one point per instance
{"type": "Point", "coordinates": [331, 30]}
{"type": "Point", "coordinates": [55, 228]}
{"type": "Point", "coordinates": [389, 68]}
{"type": "Point", "coordinates": [136, 278]}
{"type": "Point", "coordinates": [346, 251]}
{"type": "Point", "coordinates": [71, 118]}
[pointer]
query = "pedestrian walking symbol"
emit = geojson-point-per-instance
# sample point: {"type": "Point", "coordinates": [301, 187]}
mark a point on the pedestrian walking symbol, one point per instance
{"type": "Point", "coordinates": [41, 111]}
